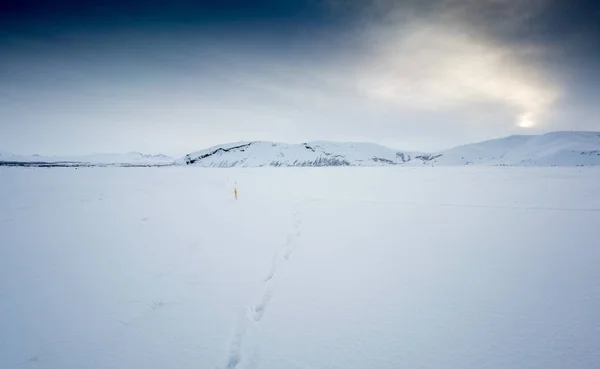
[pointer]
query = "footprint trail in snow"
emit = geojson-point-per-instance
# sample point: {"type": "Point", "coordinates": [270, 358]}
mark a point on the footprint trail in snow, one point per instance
{"type": "Point", "coordinates": [243, 350]}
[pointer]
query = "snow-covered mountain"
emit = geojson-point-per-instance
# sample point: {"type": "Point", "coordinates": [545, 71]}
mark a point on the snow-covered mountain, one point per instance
{"type": "Point", "coordinates": [309, 154]}
{"type": "Point", "coordinates": [551, 149]}
{"type": "Point", "coordinates": [556, 148]}
{"type": "Point", "coordinates": [128, 159]}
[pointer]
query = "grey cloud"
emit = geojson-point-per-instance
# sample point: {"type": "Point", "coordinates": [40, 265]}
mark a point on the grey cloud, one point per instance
{"type": "Point", "coordinates": [421, 75]}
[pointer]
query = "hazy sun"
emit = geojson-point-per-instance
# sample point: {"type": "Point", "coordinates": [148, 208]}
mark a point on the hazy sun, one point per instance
{"type": "Point", "coordinates": [525, 121]}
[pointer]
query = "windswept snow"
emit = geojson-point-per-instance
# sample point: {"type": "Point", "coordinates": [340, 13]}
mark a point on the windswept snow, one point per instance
{"type": "Point", "coordinates": [552, 149]}
{"type": "Point", "coordinates": [348, 268]}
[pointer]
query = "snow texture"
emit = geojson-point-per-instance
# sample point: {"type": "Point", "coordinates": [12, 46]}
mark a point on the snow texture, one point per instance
{"type": "Point", "coordinates": [470, 267]}
{"type": "Point", "coordinates": [552, 149]}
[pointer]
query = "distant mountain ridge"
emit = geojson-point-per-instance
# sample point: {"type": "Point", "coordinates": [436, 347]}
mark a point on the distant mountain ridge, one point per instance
{"type": "Point", "coordinates": [128, 159]}
{"type": "Point", "coordinates": [567, 148]}
{"type": "Point", "coordinates": [551, 149]}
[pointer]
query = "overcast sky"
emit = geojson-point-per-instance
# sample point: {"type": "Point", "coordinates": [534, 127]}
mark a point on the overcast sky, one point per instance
{"type": "Point", "coordinates": [87, 76]}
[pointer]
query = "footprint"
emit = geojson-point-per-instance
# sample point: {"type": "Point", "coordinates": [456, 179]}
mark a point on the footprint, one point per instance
{"type": "Point", "coordinates": [258, 310]}
{"type": "Point", "coordinates": [233, 362]}
{"type": "Point", "coordinates": [287, 253]}
{"type": "Point", "coordinates": [271, 273]}
{"type": "Point", "coordinates": [235, 349]}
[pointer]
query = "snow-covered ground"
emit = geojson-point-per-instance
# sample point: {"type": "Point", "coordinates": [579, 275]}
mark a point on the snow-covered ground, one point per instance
{"type": "Point", "coordinates": [353, 268]}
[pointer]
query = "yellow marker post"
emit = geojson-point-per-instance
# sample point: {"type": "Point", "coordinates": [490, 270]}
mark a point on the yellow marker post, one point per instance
{"type": "Point", "coordinates": [235, 191]}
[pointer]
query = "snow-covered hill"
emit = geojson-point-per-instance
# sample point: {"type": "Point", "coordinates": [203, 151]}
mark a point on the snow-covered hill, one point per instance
{"type": "Point", "coordinates": [555, 148]}
{"type": "Point", "coordinates": [310, 154]}
{"type": "Point", "coordinates": [551, 149]}
{"type": "Point", "coordinates": [128, 159]}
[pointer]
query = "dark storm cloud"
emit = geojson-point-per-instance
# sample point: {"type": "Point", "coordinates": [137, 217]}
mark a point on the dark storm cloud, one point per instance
{"type": "Point", "coordinates": [569, 31]}
{"type": "Point", "coordinates": [550, 22]}
{"type": "Point", "coordinates": [273, 22]}
{"type": "Point", "coordinates": [265, 23]}
{"type": "Point", "coordinates": [566, 28]}
{"type": "Point", "coordinates": [278, 16]}
{"type": "Point", "coordinates": [259, 9]}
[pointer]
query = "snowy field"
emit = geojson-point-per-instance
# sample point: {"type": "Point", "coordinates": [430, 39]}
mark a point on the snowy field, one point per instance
{"type": "Point", "coordinates": [353, 268]}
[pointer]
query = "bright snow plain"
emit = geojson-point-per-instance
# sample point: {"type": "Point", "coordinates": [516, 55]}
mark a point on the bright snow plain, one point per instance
{"type": "Point", "coordinates": [465, 267]}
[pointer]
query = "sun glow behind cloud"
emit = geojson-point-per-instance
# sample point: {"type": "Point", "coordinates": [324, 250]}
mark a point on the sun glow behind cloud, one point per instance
{"type": "Point", "coordinates": [433, 67]}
